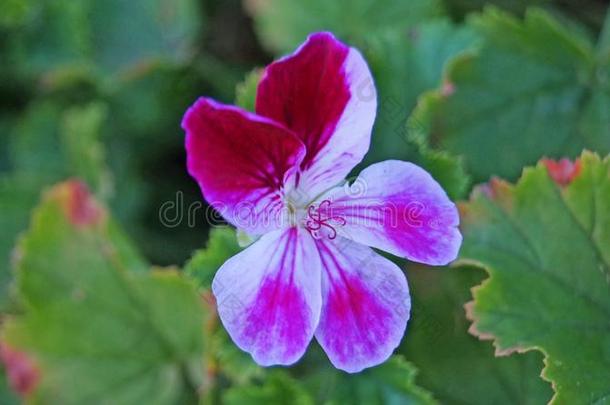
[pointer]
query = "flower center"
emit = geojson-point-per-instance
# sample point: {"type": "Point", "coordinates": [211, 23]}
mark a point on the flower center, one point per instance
{"type": "Point", "coordinates": [320, 219]}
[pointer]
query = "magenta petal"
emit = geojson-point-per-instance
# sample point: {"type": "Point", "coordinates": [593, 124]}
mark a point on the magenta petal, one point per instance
{"type": "Point", "coordinates": [365, 305]}
{"type": "Point", "coordinates": [398, 207]}
{"type": "Point", "coordinates": [325, 94]}
{"type": "Point", "coordinates": [268, 296]}
{"type": "Point", "coordinates": [241, 162]}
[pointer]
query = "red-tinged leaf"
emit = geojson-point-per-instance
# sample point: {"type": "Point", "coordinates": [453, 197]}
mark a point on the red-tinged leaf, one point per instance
{"type": "Point", "coordinates": [545, 243]}
{"type": "Point", "coordinates": [22, 372]}
{"type": "Point", "coordinates": [562, 171]}
{"type": "Point", "coordinates": [524, 94]}
{"type": "Point", "coordinates": [101, 328]}
{"type": "Point", "coordinates": [81, 208]}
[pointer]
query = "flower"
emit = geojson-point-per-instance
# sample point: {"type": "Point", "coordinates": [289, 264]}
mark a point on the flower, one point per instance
{"type": "Point", "coordinates": [280, 173]}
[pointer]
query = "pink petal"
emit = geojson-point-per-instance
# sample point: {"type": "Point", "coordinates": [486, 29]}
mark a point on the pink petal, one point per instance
{"type": "Point", "coordinates": [324, 92]}
{"type": "Point", "coordinates": [241, 162]}
{"type": "Point", "coordinates": [365, 305]}
{"type": "Point", "coordinates": [398, 207]}
{"type": "Point", "coordinates": [21, 370]}
{"type": "Point", "coordinates": [269, 296]}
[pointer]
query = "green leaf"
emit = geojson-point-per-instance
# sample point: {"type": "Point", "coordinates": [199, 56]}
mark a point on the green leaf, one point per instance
{"type": "Point", "coordinates": [545, 248]}
{"type": "Point", "coordinates": [34, 141]}
{"type": "Point", "coordinates": [282, 25]}
{"type": "Point", "coordinates": [222, 244]}
{"type": "Point", "coordinates": [603, 43]}
{"type": "Point", "coordinates": [101, 329]}
{"type": "Point", "coordinates": [85, 155]}
{"type": "Point", "coordinates": [106, 37]}
{"type": "Point", "coordinates": [51, 143]}
{"type": "Point", "coordinates": [515, 6]}
{"type": "Point", "coordinates": [392, 382]}
{"type": "Point", "coordinates": [126, 33]}
{"type": "Point", "coordinates": [318, 382]}
{"type": "Point", "coordinates": [56, 36]}
{"type": "Point", "coordinates": [48, 144]}
{"type": "Point", "coordinates": [533, 89]}
{"type": "Point", "coordinates": [151, 100]}
{"type": "Point", "coordinates": [231, 362]}
{"type": "Point", "coordinates": [278, 388]}
{"type": "Point", "coordinates": [7, 396]}
{"type": "Point", "coordinates": [446, 168]}
{"type": "Point", "coordinates": [245, 92]}
{"type": "Point", "coordinates": [6, 124]}
{"type": "Point", "coordinates": [453, 365]}
{"type": "Point", "coordinates": [15, 12]}
{"type": "Point", "coordinates": [405, 64]}
{"type": "Point", "coordinates": [589, 12]}
{"type": "Point", "coordinates": [17, 195]}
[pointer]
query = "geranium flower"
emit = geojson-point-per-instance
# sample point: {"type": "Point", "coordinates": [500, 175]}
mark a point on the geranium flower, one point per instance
{"type": "Point", "coordinates": [280, 173]}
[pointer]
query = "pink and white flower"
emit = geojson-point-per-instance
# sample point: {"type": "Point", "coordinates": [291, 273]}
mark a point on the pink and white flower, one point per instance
{"type": "Point", "coordinates": [280, 174]}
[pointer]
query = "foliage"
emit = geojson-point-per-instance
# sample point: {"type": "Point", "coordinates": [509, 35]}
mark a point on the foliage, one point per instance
{"type": "Point", "coordinates": [222, 244]}
{"type": "Point", "coordinates": [91, 312]}
{"type": "Point", "coordinates": [455, 367]}
{"type": "Point", "coordinates": [468, 89]}
{"type": "Point", "coordinates": [538, 81]}
{"type": "Point", "coordinates": [544, 246]}
{"type": "Point", "coordinates": [104, 37]}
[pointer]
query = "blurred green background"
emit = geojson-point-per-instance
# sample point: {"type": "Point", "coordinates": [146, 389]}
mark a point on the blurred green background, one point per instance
{"type": "Point", "coordinates": [97, 89]}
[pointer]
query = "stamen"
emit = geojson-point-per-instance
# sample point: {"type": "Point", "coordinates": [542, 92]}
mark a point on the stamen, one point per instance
{"type": "Point", "coordinates": [322, 217]}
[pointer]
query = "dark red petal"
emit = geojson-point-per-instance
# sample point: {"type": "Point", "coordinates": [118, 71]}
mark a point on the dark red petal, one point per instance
{"type": "Point", "coordinates": [241, 162]}
{"type": "Point", "coordinates": [325, 94]}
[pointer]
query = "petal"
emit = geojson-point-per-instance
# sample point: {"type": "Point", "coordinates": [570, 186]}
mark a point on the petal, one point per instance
{"type": "Point", "coordinates": [241, 162]}
{"type": "Point", "coordinates": [268, 296]}
{"type": "Point", "coordinates": [324, 92]}
{"type": "Point", "coordinates": [365, 305]}
{"type": "Point", "coordinates": [398, 207]}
